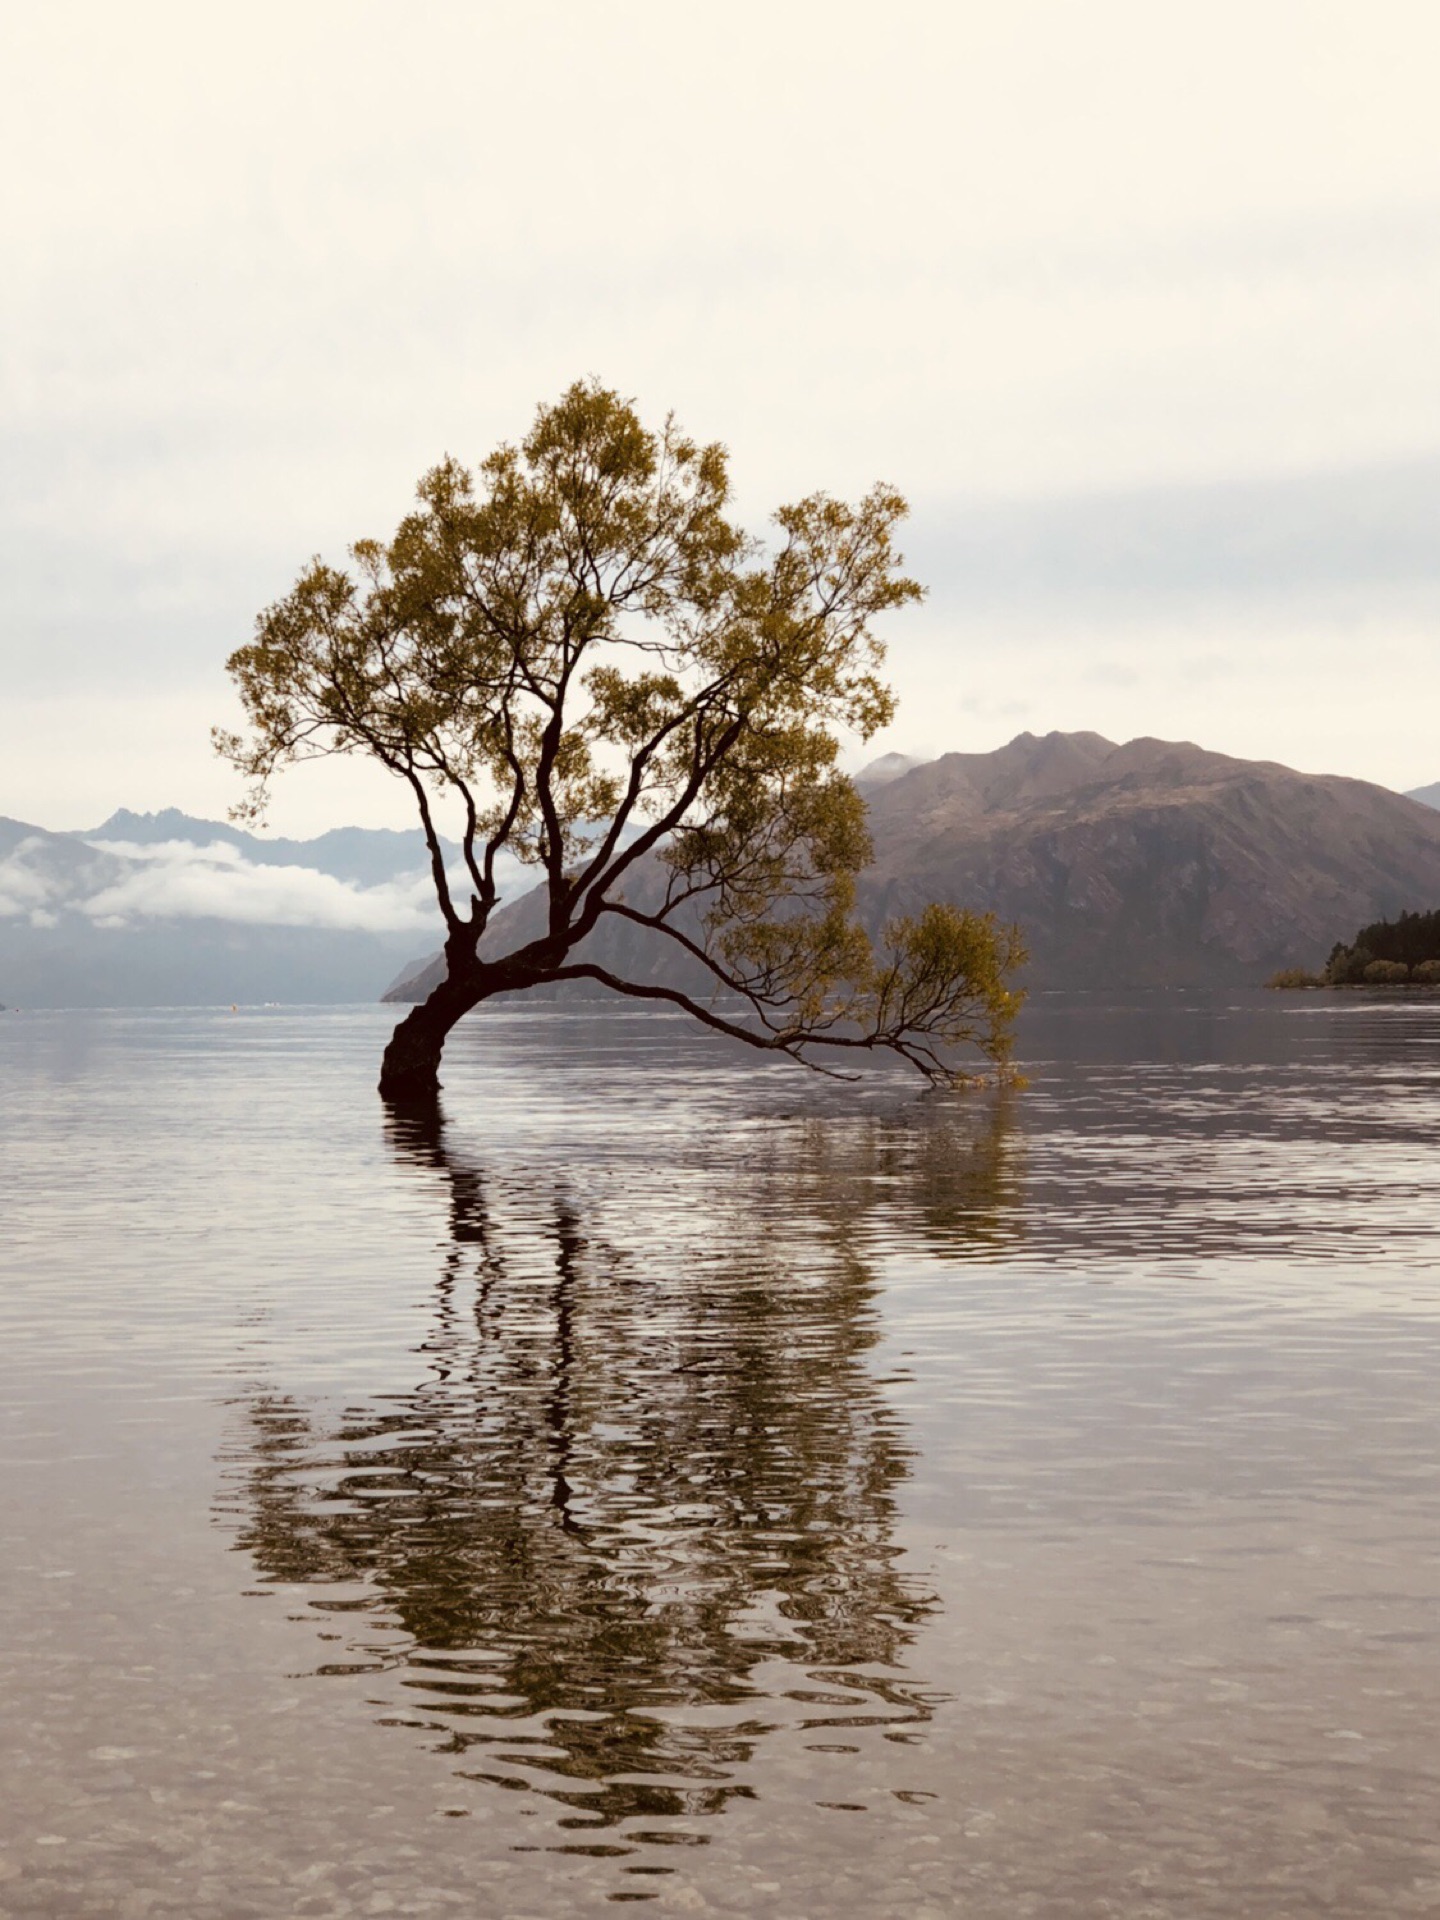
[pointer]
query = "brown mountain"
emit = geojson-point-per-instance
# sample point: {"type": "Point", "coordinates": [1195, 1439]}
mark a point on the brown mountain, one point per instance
{"type": "Point", "coordinates": [1149, 864]}
{"type": "Point", "coordinates": [1154, 863]}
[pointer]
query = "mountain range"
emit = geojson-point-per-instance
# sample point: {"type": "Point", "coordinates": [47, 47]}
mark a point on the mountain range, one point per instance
{"type": "Point", "coordinates": [366, 856]}
{"type": "Point", "coordinates": [161, 909]}
{"type": "Point", "coordinates": [1146, 864]}
{"type": "Point", "coordinates": [1153, 863]}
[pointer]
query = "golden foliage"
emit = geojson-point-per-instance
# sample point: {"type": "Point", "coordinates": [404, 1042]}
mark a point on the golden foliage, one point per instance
{"type": "Point", "coordinates": [578, 647]}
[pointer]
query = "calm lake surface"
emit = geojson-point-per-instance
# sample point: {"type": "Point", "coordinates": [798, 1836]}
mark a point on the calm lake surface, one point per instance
{"type": "Point", "coordinates": [684, 1481]}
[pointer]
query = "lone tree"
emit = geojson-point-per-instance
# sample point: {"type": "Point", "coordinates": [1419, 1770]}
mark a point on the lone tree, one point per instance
{"type": "Point", "coordinates": [589, 664]}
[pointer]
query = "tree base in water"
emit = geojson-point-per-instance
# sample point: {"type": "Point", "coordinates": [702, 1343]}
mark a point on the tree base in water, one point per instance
{"type": "Point", "coordinates": [410, 1070]}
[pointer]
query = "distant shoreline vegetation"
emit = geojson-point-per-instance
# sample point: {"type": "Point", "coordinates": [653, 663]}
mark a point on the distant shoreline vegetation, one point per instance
{"type": "Point", "coordinates": [1389, 953]}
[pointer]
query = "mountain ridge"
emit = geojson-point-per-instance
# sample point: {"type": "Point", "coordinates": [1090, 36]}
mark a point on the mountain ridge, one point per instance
{"type": "Point", "coordinates": [1147, 862]}
{"type": "Point", "coordinates": [363, 854]}
{"type": "Point", "coordinates": [1143, 863]}
{"type": "Point", "coordinates": [1150, 862]}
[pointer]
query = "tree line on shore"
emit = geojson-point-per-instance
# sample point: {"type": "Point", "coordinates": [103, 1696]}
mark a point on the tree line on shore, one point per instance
{"type": "Point", "coordinates": [1387, 953]}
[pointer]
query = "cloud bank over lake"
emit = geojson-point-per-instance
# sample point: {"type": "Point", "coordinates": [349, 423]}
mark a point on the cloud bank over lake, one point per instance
{"type": "Point", "coordinates": [177, 880]}
{"type": "Point", "coordinates": [186, 917]}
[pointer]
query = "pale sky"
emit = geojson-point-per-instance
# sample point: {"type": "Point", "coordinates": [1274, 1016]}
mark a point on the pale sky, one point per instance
{"type": "Point", "coordinates": [1138, 302]}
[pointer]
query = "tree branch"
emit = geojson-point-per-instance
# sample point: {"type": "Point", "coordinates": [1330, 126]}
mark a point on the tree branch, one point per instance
{"type": "Point", "coordinates": [437, 856]}
{"type": "Point", "coordinates": [672, 996]}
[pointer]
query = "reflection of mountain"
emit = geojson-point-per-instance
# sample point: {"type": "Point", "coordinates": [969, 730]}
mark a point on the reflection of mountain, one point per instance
{"type": "Point", "coordinates": [639, 1513]}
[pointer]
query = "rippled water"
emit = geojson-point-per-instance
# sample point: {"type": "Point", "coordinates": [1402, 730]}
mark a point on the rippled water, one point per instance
{"type": "Point", "coordinates": [682, 1481]}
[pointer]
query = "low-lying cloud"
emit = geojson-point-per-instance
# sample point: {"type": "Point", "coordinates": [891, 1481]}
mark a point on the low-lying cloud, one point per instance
{"type": "Point", "coordinates": [176, 880]}
{"type": "Point", "coordinates": [123, 883]}
{"type": "Point", "coordinates": [26, 890]}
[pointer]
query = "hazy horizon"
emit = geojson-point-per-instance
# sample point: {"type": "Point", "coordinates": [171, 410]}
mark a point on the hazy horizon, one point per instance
{"type": "Point", "coordinates": [268, 831]}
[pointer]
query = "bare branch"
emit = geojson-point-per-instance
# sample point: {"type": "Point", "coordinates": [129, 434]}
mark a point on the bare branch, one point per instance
{"type": "Point", "coordinates": [437, 853]}
{"type": "Point", "coordinates": [707, 1016]}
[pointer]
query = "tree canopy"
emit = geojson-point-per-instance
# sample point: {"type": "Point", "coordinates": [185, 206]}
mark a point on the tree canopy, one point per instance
{"type": "Point", "coordinates": [1411, 943]}
{"type": "Point", "coordinates": [579, 654]}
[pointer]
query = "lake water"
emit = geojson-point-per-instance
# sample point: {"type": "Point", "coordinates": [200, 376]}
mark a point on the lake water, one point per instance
{"type": "Point", "coordinates": [680, 1480]}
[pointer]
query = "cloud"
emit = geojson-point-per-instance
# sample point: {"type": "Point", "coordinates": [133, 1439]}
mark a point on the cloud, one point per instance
{"type": "Point", "coordinates": [27, 891]}
{"type": "Point", "coordinates": [117, 883]}
{"type": "Point", "coordinates": [1111, 673]}
{"type": "Point", "coordinates": [1073, 257]}
{"type": "Point", "coordinates": [177, 880]}
{"type": "Point", "coordinates": [1360, 532]}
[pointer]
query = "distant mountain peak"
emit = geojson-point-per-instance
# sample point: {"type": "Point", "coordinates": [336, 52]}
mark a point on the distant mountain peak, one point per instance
{"type": "Point", "coordinates": [889, 766]}
{"type": "Point", "coordinates": [145, 829]}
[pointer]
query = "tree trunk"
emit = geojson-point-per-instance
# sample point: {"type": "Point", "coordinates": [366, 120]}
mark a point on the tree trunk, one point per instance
{"type": "Point", "coordinates": [410, 1070]}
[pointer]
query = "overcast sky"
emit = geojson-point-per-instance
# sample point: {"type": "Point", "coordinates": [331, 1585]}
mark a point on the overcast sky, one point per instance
{"type": "Point", "coordinates": [1139, 303]}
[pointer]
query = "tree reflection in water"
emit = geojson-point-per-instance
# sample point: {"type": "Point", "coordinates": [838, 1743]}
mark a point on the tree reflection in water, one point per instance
{"type": "Point", "coordinates": [639, 1513]}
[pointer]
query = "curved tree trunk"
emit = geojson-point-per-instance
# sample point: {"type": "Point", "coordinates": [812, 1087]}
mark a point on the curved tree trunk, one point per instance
{"type": "Point", "coordinates": [410, 1070]}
